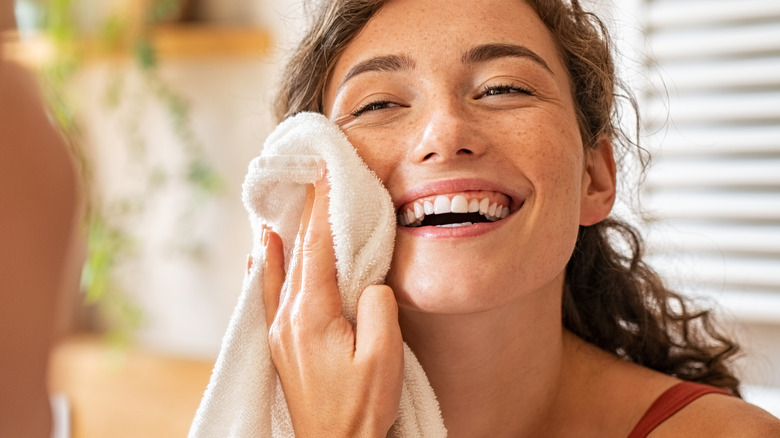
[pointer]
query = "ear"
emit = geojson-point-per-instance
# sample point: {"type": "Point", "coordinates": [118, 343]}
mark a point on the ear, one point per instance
{"type": "Point", "coordinates": [598, 183]}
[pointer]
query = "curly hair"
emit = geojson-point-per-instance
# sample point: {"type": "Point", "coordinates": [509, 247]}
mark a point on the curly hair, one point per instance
{"type": "Point", "coordinates": [611, 298]}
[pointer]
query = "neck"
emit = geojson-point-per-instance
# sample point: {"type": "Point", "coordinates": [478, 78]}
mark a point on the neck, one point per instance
{"type": "Point", "coordinates": [493, 371]}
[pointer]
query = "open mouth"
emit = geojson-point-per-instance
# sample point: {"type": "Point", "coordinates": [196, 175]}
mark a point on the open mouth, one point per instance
{"type": "Point", "coordinates": [455, 210]}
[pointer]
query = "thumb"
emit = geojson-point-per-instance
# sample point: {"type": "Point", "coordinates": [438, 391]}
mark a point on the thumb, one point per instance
{"type": "Point", "coordinates": [378, 332]}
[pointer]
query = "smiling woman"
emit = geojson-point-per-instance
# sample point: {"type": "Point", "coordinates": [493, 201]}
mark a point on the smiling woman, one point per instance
{"type": "Point", "coordinates": [492, 125]}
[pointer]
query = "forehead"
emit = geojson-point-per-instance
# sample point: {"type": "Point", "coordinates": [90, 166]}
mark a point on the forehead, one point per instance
{"type": "Point", "coordinates": [437, 30]}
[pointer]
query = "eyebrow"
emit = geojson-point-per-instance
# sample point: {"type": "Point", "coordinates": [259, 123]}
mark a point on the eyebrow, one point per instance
{"type": "Point", "coordinates": [488, 52]}
{"type": "Point", "coordinates": [387, 63]}
{"type": "Point", "coordinates": [475, 55]}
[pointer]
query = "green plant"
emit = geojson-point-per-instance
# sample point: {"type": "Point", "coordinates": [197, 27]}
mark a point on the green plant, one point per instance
{"type": "Point", "coordinates": [109, 242]}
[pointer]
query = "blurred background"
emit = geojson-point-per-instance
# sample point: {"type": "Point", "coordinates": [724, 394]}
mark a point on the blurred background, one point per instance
{"type": "Point", "coordinates": [165, 102]}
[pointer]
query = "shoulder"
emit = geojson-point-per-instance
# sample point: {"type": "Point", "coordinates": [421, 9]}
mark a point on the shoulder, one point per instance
{"type": "Point", "coordinates": [627, 391]}
{"type": "Point", "coordinates": [717, 415]}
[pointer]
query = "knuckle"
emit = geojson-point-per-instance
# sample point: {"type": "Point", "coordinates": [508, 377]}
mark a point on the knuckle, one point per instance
{"type": "Point", "coordinates": [298, 321]}
{"type": "Point", "coordinates": [383, 351]}
{"type": "Point", "coordinates": [313, 246]}
{"type": "Point", "coordinates": [384, 348]}
{"type": "Point", "coordinates": [380, 295]}
{"type": "Point", "coordinates": [276, 337]}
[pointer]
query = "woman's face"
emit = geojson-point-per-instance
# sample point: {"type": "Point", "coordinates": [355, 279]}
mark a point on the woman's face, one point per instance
{"type": "Point", "coordinates": [457, 106]}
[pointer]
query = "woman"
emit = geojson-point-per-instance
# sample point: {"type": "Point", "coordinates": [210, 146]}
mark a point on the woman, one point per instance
{"type": "Point", "coordinates": [525, 319]}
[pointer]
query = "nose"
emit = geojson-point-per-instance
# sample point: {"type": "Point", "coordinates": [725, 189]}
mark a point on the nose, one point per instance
{"type": "Point", "coordinates": [448, 135]}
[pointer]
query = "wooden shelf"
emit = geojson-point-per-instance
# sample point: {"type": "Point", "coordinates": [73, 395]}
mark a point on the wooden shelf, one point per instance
{"type": "Point", "coordinates": [170, 42]}
{"type": "Point", "coordinates": [204, 40]}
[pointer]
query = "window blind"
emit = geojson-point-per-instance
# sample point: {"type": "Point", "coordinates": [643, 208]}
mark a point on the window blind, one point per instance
{"type": "Point", "coordinates": [714, 187]}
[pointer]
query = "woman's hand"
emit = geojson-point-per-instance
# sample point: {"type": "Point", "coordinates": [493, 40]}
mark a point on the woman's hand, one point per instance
{"type": "Point", "coordinates": [338, 380]}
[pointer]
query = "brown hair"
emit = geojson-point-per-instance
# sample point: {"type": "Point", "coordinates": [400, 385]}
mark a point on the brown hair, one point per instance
{"type": "Point", "coordinates": [612, 298]}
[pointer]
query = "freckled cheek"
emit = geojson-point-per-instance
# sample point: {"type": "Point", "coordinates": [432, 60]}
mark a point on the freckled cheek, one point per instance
{"type": "Point", "coordinates": [561, 175]}
{"type": "Point", "coordinates": [551, 161]}
{"type": "Point", "coordinates": [548, 154]}
{"type": "Point", "coordinates": [378, 152]}
{"type": "Point", "coordinates": [382, 149]}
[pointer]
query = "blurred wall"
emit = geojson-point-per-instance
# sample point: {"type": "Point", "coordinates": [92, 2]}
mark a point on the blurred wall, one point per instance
{"type": "Point", "coordinates": [186, 266]}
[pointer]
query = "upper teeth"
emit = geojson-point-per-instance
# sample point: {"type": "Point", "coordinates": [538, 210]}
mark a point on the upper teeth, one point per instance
{"type": "Point", "coordinates": [414, 214]}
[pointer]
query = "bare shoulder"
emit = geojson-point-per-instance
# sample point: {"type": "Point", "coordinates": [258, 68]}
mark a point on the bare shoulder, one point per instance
{"type": "Point", "coordinates": [716, 415]}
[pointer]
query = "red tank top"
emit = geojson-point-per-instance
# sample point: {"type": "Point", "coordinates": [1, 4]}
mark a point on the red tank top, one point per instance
{"type": "Point", "coordinates": [669, 403]}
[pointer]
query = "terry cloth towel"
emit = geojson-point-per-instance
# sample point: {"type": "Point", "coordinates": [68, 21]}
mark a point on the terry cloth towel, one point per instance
{"type": "Point", "coordinates": [244, 397]}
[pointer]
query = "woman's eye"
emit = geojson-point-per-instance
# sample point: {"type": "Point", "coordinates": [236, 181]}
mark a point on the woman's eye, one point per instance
{"type": "Point", "coordinates": [373, 106]}
{"type": "Point", "coordinates": [496, 90]}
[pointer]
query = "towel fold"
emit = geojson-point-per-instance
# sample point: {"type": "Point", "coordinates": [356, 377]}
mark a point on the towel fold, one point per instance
{"type": "Point", "coordinates": [244, 397]}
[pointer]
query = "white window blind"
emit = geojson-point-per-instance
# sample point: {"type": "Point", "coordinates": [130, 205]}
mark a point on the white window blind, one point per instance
{"type": "Point", "coordinates": [715, 180]}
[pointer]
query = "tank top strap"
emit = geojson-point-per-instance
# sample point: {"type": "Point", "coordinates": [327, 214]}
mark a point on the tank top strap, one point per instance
{"type": "Point", "coordinates": [669, 403]}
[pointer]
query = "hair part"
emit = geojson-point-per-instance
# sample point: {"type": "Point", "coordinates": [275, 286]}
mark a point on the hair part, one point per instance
{"type": "Point", "coordinates": [611, 299]}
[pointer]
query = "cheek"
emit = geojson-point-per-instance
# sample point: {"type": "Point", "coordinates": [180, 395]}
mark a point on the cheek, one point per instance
{"type": "Point", "coordinates": [552, 159]}
{"type": "Point", "coordinates": [380, 152]}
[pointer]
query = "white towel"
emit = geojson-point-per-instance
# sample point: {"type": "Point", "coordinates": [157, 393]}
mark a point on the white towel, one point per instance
{"type": "Point", "coordinates": [244, 397]}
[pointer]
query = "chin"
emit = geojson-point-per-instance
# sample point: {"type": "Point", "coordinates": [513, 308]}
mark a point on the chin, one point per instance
{"type": "Point", "coordinates": [443, 291]}
{"type": "Point", "coordinates": [457, 278]}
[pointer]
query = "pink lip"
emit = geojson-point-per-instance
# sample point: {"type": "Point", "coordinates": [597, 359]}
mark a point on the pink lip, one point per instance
{"type": "Point", "coordinates": [443, 233]}
{"type": "Point", "coordinates": [455, 186]}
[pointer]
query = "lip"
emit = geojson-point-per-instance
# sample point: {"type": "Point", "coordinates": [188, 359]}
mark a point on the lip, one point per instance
{"type": "Point", "coordinates": [455, 186]}
{"type": "Point", "coordinates": [442, 232]}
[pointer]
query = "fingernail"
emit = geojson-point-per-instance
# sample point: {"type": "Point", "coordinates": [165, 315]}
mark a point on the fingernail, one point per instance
{"type": "Point", "coordinates": [249, 262]}
{"type": "Point", "coordinates": [321, 169]}
{"type": "Point", "coordinates": [265, 235]}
